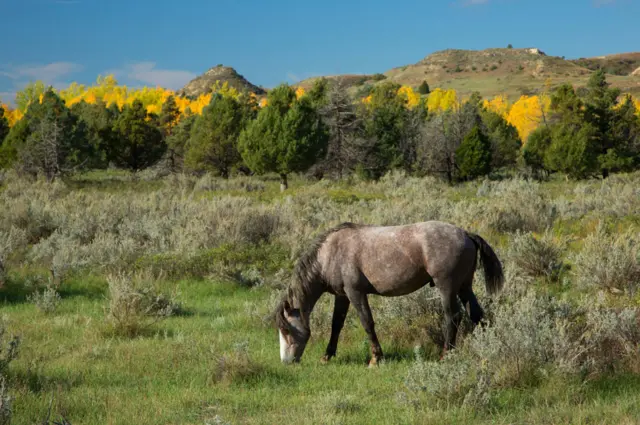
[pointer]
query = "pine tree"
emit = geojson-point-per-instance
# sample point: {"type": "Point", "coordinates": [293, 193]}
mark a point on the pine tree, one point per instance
{"type": "Point", "coordinates": [138, 143]}
{"type": "Point", "coordinates": [287, 136]}
{"type": "Point", "coordinates": [473, 157]}
{"type": "Point", "coordinates": [213, 145]}
{"type": "Point", "coordinates": [53, 141]}
{"type": "Point", "coordinates": [169, 115]}
{"type": "Point", "coordinates": [424, 88]}
{"type": "Point", "coordinates": [178, 140]}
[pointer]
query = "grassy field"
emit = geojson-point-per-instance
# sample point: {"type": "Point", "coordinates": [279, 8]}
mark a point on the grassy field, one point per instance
{"type": "Point", "coordinates": [222, 251]}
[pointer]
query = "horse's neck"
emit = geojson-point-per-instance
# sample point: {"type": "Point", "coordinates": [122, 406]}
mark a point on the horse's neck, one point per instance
{"type": "Point", "coordinates": [307, 301]}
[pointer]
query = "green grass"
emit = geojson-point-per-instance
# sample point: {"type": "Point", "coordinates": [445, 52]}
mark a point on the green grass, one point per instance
{"type": "Point", "coordinates": [170, 374]}
{"type": "Point", "coordinates": [167, 375]}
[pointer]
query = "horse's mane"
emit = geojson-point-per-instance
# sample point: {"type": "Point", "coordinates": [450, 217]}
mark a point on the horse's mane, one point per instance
{"type": "Point", "coordinates": [306, 273]}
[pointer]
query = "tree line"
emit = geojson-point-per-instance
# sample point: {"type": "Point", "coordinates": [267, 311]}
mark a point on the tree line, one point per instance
{"type": "Point", "coordinates": [328, 132]}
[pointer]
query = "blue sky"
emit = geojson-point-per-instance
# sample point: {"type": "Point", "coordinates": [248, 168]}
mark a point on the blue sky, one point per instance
{"type": "Point", "coordinates": [166, 43]}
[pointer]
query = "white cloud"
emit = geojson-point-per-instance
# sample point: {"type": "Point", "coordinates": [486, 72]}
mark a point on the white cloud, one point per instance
{"type": "Point", "coordinates": [49, 73]}
{"type": "Point", "coordinates": [147, 73]}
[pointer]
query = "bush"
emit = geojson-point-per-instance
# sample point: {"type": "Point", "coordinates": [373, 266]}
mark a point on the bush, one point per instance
{"type": "Point", "coordinates": [236, 366]}
{"type": "Point", "coordinates": [609, 261]}
{"type": "Point", "coordinates": [134, 305]}
{"type": "Point", "coordinates": [536, 258]}
{"type": "Point", "coordinates": [530, 338]}
{"type": "Point", "coordinates": [46, 301]}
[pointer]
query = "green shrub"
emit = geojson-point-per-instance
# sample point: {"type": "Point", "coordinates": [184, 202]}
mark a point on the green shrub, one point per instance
{"type": "Point", "coordinates": [47, 300]}
{"type": "Point", "coordinates": [536, 257]}
{"type": "Point", "coordinates": [529, 338]}
{"type": "Point", "coordinates": [134, 305]}
{"type": "Point", "coordinates": [608, 261]}
{"type": "Point", "coordinates": [236, 366]}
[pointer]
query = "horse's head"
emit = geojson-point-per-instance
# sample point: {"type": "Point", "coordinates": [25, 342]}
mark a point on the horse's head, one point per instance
{"type": "Point", "coordinates": [294, 332]}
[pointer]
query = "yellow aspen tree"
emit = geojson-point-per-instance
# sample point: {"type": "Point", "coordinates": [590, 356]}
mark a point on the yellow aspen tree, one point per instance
{"type": "Point", "coordinates": [499, 105]}
{"type": "Point", "coordinates": [411, 97]}
{"type": "Point", "coordinates": [440, 100]}
{"type": "Point", "coordinates": [528, 113]}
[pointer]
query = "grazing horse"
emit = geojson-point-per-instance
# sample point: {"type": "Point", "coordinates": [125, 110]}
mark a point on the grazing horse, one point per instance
{"type": "Point", "coordinates": [352, 261]}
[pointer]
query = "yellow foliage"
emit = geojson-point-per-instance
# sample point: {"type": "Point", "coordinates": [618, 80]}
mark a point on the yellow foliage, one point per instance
{"type": "Point", "coordinates": [263, 102]}
{"type": "Point", "coordinates": [412, 98]}
{"type": "Point", "coordinates": [442, 100]}
{"type": "Point", "coordinates": [499, 105]}
{"type": "Point", "coordinates": [12, 115]}
{"type": "Point", "coordinates": [299, 92]}
{"type": "Point", "coordinates": [153, 109]}
{"type": "Point", "coordinates": [225, 91]}
{"type": "Point", "coordinates": [528, 113]}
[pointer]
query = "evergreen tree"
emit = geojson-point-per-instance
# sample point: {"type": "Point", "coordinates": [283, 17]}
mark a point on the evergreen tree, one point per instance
{"type": "Point", "coordinates": [169, 115]}
{"type": "Point", "coordinates": [391, 129]}
{"type": "Point", "coordinates": [534, 152]}
{"type": "Point", "coordinates": [98, 120]}
{"type": "Point", "coordinates": [473, 157]}
{"type": "Point", "coordinates": [4, 125]}
{"type": "Point", "coordinates": [52, 141]}
{"type": "Point", "coordinates": [573, 150]}
{"type": "Point", "coordinates": [600, 104]}
{"type": "Point", "coordinates": [424, 88]}
{"type": "Point", "coordinates": [624, 130]}
{"type": "Point", "coordinates": [138, 143]}
{"type": "Point", "coordinates": [505, 141]}
{"type": "Point", "coordinates": [16, 138]}
{"type": "Point", "coordinates": [178, 140]}
{"type": "Point", "coordinates": [287, 135]}
{"type": "Point", "coordinates": [213, 145]}
{"type": "Point", "coordinates": [574, 141]}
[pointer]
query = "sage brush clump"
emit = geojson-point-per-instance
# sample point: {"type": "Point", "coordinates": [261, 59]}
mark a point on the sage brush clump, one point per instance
{"type": "Point", "coordinates": [47, 300]}
{"type": "Point", "coordinates": [134, 305]}
{"type": "Point", "coordinates": [609, 261]}
{"type": "Point", "coordinates": [536, 257]}
{"type": "Point", "coordinates": [528, 339]}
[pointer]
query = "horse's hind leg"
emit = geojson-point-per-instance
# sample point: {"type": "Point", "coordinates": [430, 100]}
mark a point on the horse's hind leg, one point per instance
{"type": "Point", "coordinates": [452, 317]}
{"type": "Point", "coordinates": [340, 308]}
{"type": "Point", "coordinates": [361, 304]}
{"type": "Point", "coordinates": [470, 303]}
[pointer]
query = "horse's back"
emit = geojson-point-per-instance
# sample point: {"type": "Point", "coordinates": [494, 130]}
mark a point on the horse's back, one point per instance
{"type": "Point", "coordinates": [392, 260]}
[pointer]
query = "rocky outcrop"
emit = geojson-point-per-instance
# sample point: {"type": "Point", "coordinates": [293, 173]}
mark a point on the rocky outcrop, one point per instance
{"type": "Point", "coordinates": [223, 74]}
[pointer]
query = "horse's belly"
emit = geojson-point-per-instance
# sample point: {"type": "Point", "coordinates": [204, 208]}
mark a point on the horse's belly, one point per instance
{"type": "Point", "coordinates": [400, 284]}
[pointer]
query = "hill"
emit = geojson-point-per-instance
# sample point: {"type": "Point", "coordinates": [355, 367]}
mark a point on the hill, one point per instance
{"type": "Point", "coordinates": [223, 74]}
{"type": "Point", "coordinates": [512, 72]}
{"type": "Point", "coordinates": [618, 64]}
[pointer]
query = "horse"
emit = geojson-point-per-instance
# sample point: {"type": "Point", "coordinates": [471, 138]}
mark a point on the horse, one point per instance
{"type": "Point", "coordinates": [352, 261]}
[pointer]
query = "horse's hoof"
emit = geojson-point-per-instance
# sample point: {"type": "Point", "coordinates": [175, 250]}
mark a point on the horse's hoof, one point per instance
{"type": "Point", "coordinates": [325, 359]}
{"type": "Point", "coordinates": [374, 363]}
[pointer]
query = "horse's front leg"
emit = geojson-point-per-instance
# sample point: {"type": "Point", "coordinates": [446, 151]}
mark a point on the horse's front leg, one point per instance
{"type": "Point", "coordinates": [361, 304]}
{"type": "Point", "coordinates": [340, 308]}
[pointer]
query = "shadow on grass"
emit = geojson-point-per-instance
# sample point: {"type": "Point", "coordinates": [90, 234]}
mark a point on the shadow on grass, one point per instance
{"type": "Point", "coordinates": [36, 381]}
{"type": "Point", "coordinates": [15, 291]}
{"type": "Point", "coordinates": [392, 354]}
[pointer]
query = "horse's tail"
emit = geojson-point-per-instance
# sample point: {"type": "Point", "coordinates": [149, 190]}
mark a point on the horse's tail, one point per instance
{"type": "Point", "coordinates": [493, 274]}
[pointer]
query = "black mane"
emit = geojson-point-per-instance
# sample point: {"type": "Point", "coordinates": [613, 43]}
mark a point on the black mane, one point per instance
{"type": "Point", "coordinates": [307, 273]}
